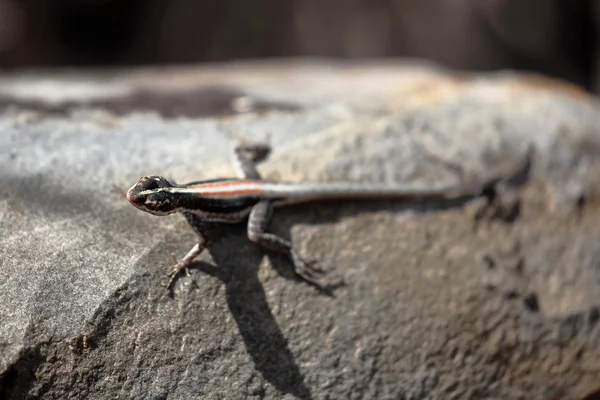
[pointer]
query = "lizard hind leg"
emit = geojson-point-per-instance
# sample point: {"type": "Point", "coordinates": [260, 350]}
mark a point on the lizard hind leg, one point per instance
{"type": "Point", "coordinates": [257, 224]}
{"type": "Point", "coordinates": [246, 156]}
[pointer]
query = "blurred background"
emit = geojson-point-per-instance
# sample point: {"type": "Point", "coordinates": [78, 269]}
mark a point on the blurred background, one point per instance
{"type": "Point", "coordinates": [554, 37]}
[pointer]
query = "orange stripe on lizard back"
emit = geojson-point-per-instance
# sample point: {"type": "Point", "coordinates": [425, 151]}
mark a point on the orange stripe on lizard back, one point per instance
{"type": "Point", "coordinates": [220, 184]}
{"type": "Point", "coordinates": [230, 188]}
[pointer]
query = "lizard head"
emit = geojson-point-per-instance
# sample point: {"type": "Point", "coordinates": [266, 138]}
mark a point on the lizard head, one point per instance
{"type": "Point", "coordinates": [151, 194]}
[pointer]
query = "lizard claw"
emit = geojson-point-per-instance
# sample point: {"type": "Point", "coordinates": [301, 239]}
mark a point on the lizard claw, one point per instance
{"type": "Point", "coordinates": [315, 269]}
{"type": "Point", "coordinates": [314, 276]}
{"type": "Point", "coordinates": [173, 273]}
{"type": "Point", "coordinates": [307, 270]}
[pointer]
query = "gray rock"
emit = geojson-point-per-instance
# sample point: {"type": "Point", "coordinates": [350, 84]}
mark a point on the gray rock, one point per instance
{"type": "Point", "coordinates": [439, 301]}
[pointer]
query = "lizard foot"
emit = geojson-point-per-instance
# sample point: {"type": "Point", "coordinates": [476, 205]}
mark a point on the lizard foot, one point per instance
{"type": "Point", "coordinates": [173, 272]}
{"type": "Point", "coordinates": [308, 270]}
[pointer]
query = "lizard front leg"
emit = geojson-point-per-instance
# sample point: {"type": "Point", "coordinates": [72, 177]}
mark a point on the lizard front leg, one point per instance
{"type": "Point", "coordinates": [202, 230]}
{"type": "Point", "coordinates": [257, 224]}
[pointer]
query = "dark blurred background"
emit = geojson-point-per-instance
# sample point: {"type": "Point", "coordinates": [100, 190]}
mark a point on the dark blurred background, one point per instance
{"type": "Point", "coordinates": [555, 37]}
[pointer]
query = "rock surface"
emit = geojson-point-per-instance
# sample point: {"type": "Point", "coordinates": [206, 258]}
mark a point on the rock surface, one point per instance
{"type": "Point", "coordinates": [438, 301]}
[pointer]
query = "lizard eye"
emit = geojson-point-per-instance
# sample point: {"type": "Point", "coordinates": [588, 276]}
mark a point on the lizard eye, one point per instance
{"type": "Point", "coordinates": [153, 182]}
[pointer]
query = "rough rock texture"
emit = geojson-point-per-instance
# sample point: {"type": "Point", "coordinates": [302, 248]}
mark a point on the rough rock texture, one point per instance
{"type": "Point", "coordinates": [439, 300]}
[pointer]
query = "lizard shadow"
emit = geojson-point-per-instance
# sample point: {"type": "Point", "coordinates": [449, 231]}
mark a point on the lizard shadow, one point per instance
{"type": "Point", "coordinates": [245, 294]}
{"type": "Point", "coordinates": [247, 302]}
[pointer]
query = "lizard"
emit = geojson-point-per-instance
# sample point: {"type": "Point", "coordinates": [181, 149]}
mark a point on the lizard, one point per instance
{"type": "Point", "coordinates": [251, 198]}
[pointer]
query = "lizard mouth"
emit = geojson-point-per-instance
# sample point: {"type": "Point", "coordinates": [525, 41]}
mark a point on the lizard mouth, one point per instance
{"type": "Point", "coordinates": [130, 197]}
{"type": "Point", "coordinates": [136, 198]}
{"type": "Point", "coordinates": [133, 196]}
